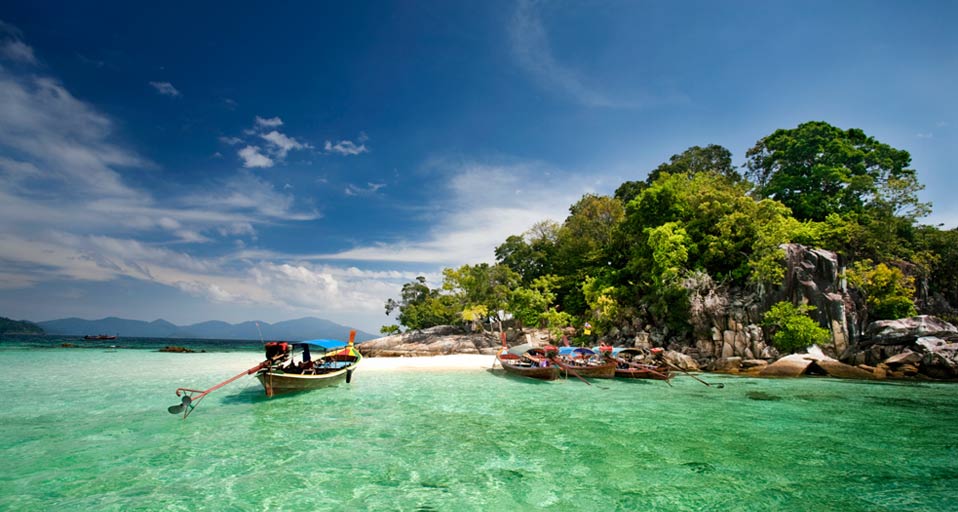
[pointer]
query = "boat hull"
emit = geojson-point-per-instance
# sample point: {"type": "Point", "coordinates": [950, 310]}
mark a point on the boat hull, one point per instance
{"type": "Point", "coordinates": [515, 367]}
{"type": "Point", "coordinates": [601, 371]}
{"type": "Point", "coordinates": [277, 383]}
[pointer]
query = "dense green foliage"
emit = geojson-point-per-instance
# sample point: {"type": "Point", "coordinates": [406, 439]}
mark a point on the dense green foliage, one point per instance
{"type": "Point", "coordinates": [8, 326]}
{"type": "Point", "coordinates": [792, 329]}
{"type": "Point", "coordinates": [422, 307]}
{"type": "Point", "coordinates": [630, 257]}
{"type": "Point", "coordinates": [817, 169]}
{"type": "Point", "coordinates": [887, 290]}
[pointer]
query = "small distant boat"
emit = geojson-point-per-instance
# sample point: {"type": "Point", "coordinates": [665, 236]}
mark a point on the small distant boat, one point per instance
{"type": "Point", "coordinates": [628, 368]}
{"type": "Point", "coordinates": [527, 360]}
{"type": "Point", "coordinates": [288, 373]}
{"type": "Point", "coordinates": [586, 363]}
{"type": "Point", "coordinates": [99, 337]}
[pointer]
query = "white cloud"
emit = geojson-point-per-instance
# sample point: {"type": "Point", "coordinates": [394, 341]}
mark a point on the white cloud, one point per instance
{"type": "Point", "coordinates": [246, 192]}
{"type": "Point", "coordinates": [277, 144]}
{"type": "Point", "coordinates": [12, 46]}
{"type": "Point", "coordinates": [478, 215]}
{"type": "Point", "coordinates": [271, 122]}
{"type": "Point", "coordinates": [281, 144]}
{"type": "Point", "coordinates": [165, 88]}
{"type": "Point", "coordinates": [927, 135]}
{"type": "Point", "coordinates": [252, 157]}
{"type": "Point", "coordinates": [369, 189]}
{"type": "Point", "coordinates": [231, 141]}
{"type": "Point", "coordinates": [345, 148]}
{"type": "Point", "coordinates": [69, 212]}
{"type": "Point", "coordinates": [49, 129]}
{"type": "Point", "coordinates": [534, 54]}
{"type": "Point", "coordinates": [18, 51]}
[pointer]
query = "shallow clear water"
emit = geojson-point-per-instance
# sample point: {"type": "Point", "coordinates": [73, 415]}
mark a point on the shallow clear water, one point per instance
{"type": "Point", "coordinates": [89, 430]}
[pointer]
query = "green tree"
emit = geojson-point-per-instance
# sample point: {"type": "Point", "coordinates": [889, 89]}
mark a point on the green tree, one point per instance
{"type": "Point", "coordinates": [584, 246]}
{"type": "Point", "coordinates": [421, 307]}
{"type": "Point", "coordinates": [389, 330]}
{"type": "Point", "coordinates": [938, 253]}
{"type": "Point", "coordinates": [603, 306]}
{"type": "Point", "coordinates": [556, 321]}
{"type": "Point", "coordinates": [817, 169]}
{"type": "Point", "coordinates": [707, 222]}
{"type": "Point", "coordinates": [792, 329]}
{"type": "Point", "coordinates": [712, 158]}
{"type": "Point", "coordinates": [532, 254]}
{"type": "Point", "coordinates": [889, 293]}
{"type": "Point", "coordinates": [529, 303]}
{"type": "Point", "coordinates": [482, 285]}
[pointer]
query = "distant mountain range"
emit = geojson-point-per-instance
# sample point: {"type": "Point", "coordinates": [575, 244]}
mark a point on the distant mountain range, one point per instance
{"type": "Point", "coordinates": [291, 330]}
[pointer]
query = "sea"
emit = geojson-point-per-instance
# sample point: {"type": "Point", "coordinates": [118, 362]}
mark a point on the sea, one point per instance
{"type": "Point", "coordinates": [87, 428]}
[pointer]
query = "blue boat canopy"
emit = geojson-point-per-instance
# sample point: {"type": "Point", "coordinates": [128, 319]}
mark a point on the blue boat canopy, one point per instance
{"type": "Point", "coordinates": [324, 344]}
{"type": "Point", "coordinates": [578, 351]}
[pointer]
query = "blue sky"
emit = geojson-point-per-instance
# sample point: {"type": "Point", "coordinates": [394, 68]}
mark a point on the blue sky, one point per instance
{"type": "Point", "coordinates": [237, 161]}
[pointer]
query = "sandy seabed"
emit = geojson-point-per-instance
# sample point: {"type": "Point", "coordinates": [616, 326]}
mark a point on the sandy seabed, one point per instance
{"type": "Point", "coordinates": [459, 362]}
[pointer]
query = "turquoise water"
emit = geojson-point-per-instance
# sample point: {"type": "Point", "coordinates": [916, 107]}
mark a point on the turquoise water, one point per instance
{"type": "Point", "coordinates": [89, 430]}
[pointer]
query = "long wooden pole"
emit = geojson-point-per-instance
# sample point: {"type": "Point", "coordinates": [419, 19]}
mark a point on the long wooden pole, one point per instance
{"type": "Point", "coordinates": [643, 367]}
{"type": "Point", "coordinates": [200, 394]}
{"type": "Point", "coordinates": [568, 369]}
{"type": "Point", "coordinates": [683, 370]}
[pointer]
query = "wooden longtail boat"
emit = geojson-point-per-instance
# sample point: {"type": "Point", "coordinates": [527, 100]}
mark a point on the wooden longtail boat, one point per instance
{"type": "Point", "coordinates": [586, 363]}
{"type": "Point", "coordinates": [600, 370]}
{"type": "Point", "coordinates": [628, 369]}
{"type": "Point", "coordinates": [527, 361]}
{"type": "Point", "coordinates": [287, 375]}
{"type": "Point", "coordinates": [99, 337]}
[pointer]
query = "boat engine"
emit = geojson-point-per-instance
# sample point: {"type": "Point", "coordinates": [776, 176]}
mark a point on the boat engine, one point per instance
{"type": "Point", "coordinates": [278, 351]}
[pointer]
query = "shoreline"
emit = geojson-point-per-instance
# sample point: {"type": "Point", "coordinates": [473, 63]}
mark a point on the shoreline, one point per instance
{"type": "Point", "coordinates": [451, 362]}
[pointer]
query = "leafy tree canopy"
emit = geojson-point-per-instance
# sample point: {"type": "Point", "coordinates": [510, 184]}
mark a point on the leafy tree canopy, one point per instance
{"type": "Point", "coordinates": [712, 158]}
{"type": "Point", "coordinates": [420, 307]}
{"type": "Point", "coordinates": [817, 169]}
{"type": "Point", "coordinates": [483, 285]}
{"type": "Point", "coordinates": [889, 293]}
{"type": "Point", "coordinates": [532, 254]}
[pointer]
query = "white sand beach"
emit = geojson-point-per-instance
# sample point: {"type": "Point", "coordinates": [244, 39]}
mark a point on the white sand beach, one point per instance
{"type": "Point", "coordinates": [456, 362]}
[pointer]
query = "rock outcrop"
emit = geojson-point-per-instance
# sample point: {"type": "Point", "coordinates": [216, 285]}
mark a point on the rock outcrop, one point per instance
{"type": "Point", "coordinates": [727, 323]}
{"type": "Point", "coordinates": [908, 347]}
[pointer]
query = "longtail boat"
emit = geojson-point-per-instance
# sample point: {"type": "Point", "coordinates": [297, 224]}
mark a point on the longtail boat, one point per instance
{"type": "Point", "coordinates": [586, 363]}
{"type": "Point", "coordinates": [527, 360]}
{"type": "Point", "coordinates": [627, 368]}
{"type": "Point", "coordinates": [99, 337]}
{"type": "Point", "coordinates": [281, 372]}
{"type": "Point", "coordinates": [288, 374]}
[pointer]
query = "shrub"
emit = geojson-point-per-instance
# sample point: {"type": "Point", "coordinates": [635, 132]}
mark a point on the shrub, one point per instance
{"type": "Point", "coordinates": [792, 328]}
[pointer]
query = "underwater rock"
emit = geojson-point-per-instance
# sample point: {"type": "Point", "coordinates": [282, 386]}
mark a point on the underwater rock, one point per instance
{"type": "Point", "coordinates": [177, 349]}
